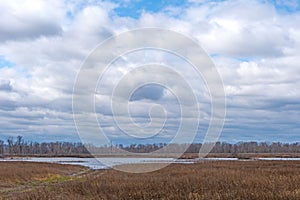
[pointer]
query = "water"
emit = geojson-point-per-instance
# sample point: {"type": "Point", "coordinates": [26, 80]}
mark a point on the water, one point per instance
{"type": "Point", "coordinates": [94, 163]}
{"type": "Point", "coordinates": [287, 159]}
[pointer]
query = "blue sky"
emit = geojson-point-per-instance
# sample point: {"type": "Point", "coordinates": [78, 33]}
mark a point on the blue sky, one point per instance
{"type": "Point", "coordinates": [5, 63]}
{"type": "Point", "coordinates": [254, 45]}
{"type": "Point", "coordinates": [136, 8]}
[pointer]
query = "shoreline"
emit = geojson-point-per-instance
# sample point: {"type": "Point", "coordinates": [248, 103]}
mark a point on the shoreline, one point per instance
{"type": "Point", "coordinates": [115, 162]}
{"type": "Point", "coordinates": [160, 155]}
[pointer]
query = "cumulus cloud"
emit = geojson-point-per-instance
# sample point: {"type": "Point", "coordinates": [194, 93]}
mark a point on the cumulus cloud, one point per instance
{"type": "Point", "coordinates": [254, 45]}
{"type": "Point", "coordinates": [5, 85]}
{"type": "Point", "coordinates": [29, 19]}
{"type": "Point", "coordinates": [152, 92]}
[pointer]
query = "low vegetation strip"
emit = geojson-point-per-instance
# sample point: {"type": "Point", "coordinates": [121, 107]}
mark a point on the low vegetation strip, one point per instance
{"type": "Point", "coordinates": [17, 176]}
{"type": "Point", "coordinates": [204, 180]}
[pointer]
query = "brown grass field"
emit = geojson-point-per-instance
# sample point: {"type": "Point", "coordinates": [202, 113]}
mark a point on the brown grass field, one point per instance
{"type": "Point", "coordinates": [206, 180]}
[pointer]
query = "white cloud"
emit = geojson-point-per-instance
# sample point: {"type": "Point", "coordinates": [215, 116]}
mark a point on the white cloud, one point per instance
{"type": "Point", "coordinates": [30, 19]}
{"type": "Point", "coordinates": [257, 52]}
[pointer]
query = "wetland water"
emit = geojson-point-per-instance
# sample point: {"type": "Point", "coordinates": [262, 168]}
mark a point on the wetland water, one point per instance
{"type": "Point", "coordinates": [94, 163]}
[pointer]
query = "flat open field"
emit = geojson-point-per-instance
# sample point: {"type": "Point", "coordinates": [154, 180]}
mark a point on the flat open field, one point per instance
{"type": "Point", "coordinates": [18, 177]}
{"type": "Point", "coordinates": [205, 180]}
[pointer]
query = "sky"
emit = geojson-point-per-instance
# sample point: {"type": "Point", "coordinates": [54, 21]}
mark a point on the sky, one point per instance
{"type": "Point", "coordinates": [255, 46]}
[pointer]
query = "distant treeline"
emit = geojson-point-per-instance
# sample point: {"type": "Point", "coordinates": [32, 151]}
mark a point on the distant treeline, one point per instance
{"type": "Point", "coordinates": [221, 147]}
{"type": "Point", "coordinates": [18, 146]}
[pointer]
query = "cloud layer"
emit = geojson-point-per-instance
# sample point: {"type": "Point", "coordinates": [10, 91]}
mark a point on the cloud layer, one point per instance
{"type": "Point", "coordinates": [255, 46]}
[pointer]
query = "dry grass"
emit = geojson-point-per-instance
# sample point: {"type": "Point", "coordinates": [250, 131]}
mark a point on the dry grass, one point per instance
{"type": "Point", "coordinates": [209, 180]}
{"type": "Point", "coordinates": [17, 177]}
{"type": "Point", "coordinates": [20, 172]}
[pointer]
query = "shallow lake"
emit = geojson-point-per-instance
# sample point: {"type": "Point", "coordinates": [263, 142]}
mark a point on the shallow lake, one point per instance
{"type": "Point", "coordinates": [99, 163]}
{"type": "Point", "coordinates": [108, 162]}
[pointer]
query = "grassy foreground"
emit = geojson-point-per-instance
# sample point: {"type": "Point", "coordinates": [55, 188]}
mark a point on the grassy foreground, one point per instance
{"type": "Point", "coordinates": [207, 180]}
